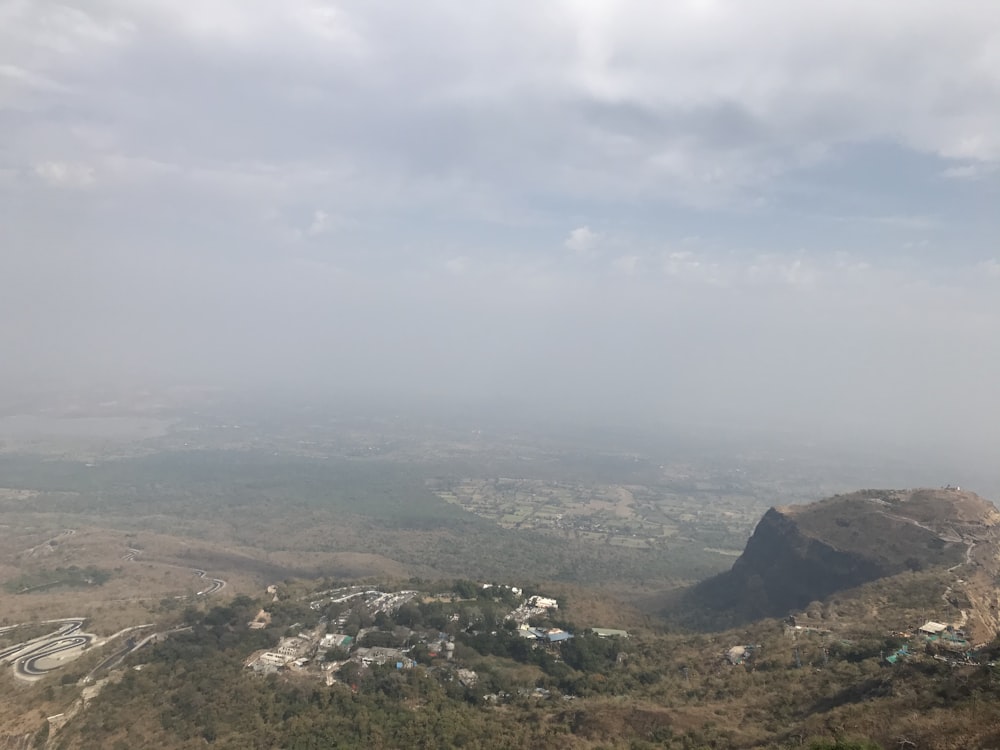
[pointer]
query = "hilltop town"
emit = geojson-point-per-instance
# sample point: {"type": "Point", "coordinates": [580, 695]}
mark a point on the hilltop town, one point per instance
{"type": "Point", "coordinates": [355, 628]}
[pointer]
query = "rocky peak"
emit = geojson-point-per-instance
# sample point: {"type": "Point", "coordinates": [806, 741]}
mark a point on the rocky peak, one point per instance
{"type": "Point", "coordinates": [802, 553]}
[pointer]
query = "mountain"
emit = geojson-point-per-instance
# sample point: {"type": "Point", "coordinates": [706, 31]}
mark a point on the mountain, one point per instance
{"type": "Point", "coordinates": [804, 553]}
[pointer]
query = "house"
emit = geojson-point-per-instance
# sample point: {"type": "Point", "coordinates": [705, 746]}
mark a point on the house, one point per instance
{"type": "Point", "coordinates": [609, 633]}
{"type": "Point", "coordinates": [293, 647]}
{"type": "Point", "coordinates": [739, 654]}
{"type": "Point", "coordinates": [932, 628]}
{"type": "Point", "coordinates": [555, 635]}
{"type": "Point", "coordinates": [267, 663]}
{"type": "Point", "coordinates": [467, 677]}
{"type": "Point", "coordinates": [380, 655]}
{"type": "Point", "coordinates": [262, 620]}
{"type": "Point", "coordinates": [332, 640]}
{"type": "Point", "coordinates": [526, 631]}
{"type": "Point", "coordinates": [542, 602]}
{"type": "Point", "coordinates": [552, 635]}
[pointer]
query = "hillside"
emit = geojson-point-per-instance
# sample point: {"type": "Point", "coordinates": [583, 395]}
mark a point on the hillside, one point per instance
{"type": "Point", "coordinates": [214, 681]}
{"type": "Point", "coordinates": [804, 553]}
{"type": "Point", "coordinates": [421, 663]}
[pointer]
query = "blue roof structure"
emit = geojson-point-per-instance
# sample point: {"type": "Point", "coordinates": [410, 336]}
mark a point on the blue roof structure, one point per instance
{"type": "Point", "coordinates": [562, 635]}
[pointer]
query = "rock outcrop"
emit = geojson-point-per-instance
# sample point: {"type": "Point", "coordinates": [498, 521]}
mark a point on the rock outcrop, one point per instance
{"type": "Point", "coordinates": [803, 553]}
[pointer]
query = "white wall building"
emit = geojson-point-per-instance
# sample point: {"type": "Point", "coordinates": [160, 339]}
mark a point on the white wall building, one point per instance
{"type": "Point", "coordinates": [543, 602]}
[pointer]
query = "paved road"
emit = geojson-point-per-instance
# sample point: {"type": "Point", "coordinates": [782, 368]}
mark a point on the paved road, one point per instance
{"type": "Point", "coordinates": [68, 627]}
{"type": "Point", "coordinates": [216, 584]}
{"type": "Point", "coordinates": [116, 658]}
{"type": "Point", "coordinates": [57, 537]}
{"type": "Point", "coordinates": [129, 646]}
{"type": "Point", "coordinates": [112, 660]}
{"type": "Point", "coordinates": [28, 656]}
{"type": "Point", "coordinates": [28, 663]}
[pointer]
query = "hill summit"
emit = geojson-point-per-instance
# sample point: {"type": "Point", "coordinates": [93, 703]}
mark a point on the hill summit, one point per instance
{"type": "Point", "coordinates": [804, 553]}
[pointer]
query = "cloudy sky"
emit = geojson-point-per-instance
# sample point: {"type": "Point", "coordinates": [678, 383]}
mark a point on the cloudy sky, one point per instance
{"type": "Point", "coordinates": [755, 211]}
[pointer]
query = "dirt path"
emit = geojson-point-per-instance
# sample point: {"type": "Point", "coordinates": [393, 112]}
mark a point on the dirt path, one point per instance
{"type": "Point", "coordinates": [904, 519]}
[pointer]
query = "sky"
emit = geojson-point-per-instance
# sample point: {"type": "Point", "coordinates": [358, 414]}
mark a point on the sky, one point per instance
{"type": "Point", "coordinates": [769, 213]}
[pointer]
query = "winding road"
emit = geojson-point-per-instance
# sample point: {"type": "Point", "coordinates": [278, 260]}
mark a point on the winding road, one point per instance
{"type": "Point", "coordinates": [215, 585]}
{"type": "Point", "coordinates": [29, 663]}
{"type": "Point", "coordinates": [116, 658]}
{"type": "Point", "coordinates": [48, 542]}
{"type": "Point", "coordinates": [37, 657]}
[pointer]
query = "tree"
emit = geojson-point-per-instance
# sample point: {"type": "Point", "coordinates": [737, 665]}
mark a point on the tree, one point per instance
{"type": "Point", "coordinates": [466, 589]}
{"type": "Point", "coordinates": [841, 744]}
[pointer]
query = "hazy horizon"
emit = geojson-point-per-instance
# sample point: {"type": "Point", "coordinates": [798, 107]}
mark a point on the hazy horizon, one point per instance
{"type": "Point", "coordinates": [752, 218]}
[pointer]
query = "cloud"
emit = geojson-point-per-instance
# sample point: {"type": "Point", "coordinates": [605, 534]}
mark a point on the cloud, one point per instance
{"type": "Point", "coordinates": [583, 241]}
{"type": "Point", "coordinates": [970, 171]}
{"type": "Point", "coordinates": [627, 264]}
{"type": "Point", "coordinates": [898, 221]}
{"type": "Point", "coordinates": [728, 271]}
{"type": "Point", "coordinates": [699, 104]}
{"type": "Point", "coordinates": [60, 174]}
{"type": "Point", "coordinates": [811, 151]}
{"type": "Point", "coordinates": [846, 262]}
{"type": "Point", "coordinates": [18, 79]}
{"type": "Point", "coordinates": [321, 223]}
{"type": "Point", "coordinates": [704, 268]}
{"type": "Point", "coordinates": [457, 266]}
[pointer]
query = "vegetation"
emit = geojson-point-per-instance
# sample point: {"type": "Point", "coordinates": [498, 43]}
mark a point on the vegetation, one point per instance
{"type": "Point", "coordinates": [664, 690]}
{"type": "Point", "coordinates": [284, 518]}
{"type": "Point", "coordinates": [42, 580]}
{"type": "Point", "coordinates": [307, 505]}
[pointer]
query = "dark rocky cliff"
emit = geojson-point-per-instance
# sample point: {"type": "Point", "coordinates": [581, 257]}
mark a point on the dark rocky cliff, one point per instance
{"type": "Point", "coordinates": [783, 569]}
{"type": "Point", "coordinates": [801, 554]}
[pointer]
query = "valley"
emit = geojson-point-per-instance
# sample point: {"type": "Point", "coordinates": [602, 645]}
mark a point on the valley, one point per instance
{"type": "Point", "coordinates": [324, 564]}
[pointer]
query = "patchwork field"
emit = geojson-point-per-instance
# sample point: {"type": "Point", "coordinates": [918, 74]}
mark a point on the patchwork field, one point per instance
{"type": "Point", "coordinates": [632, 516]}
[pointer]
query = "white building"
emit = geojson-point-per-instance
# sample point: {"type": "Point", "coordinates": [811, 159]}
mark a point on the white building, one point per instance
{"type": "Point", "coordinates": [292, 648]}
{"type": "Point", "coordinates": [543, 602]}
{"type": "Point", "coordinates": [268, 662]}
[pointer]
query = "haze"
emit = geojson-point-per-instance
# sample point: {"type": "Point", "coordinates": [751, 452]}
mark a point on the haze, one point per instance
{"type": "Point", "coordinates": [768, 216]}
